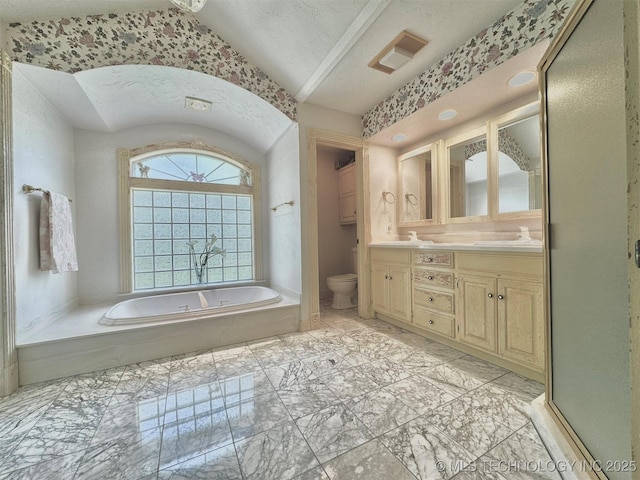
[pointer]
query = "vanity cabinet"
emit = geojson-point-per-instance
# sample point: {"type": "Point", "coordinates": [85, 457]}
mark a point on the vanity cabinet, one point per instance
{"type": "Point", "coordinates": [347, 189]}
{"type": "Point", "coordinates": [487, 303]}
{"type": "Point", "coordinates": [500, 308]}
{"type": "Point", "coordinates": [391, 282]}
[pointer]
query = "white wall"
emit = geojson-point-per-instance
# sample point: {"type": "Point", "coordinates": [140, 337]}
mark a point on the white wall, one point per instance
{"type": "Point", "coordinates": [335, 241]}
{"type": "Point", "coordinates": [383, 177]}
{"type": "Point", "coordinates": [97, 196]}
{"type": "Point", "coordinates": [43, 157]}
{"type": "Point", "coordinates": [283, 183]}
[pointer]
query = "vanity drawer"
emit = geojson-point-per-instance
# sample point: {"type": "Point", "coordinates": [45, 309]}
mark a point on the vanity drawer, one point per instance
{"type": "Point", "coordinates": [433, 300]}
{"type": "Point", "coordinates": [436, 278]}
{"type": "Point", "coordinates": [400, 256]}
{"type": "Point", "coordinates": [433, 321]}
{"type": "Point", "coordinates": [440, 259]}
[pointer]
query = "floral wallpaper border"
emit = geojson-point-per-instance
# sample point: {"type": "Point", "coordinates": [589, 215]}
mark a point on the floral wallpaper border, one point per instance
{"type": "Point", "coordinates": [521, 28]}
{"type": "Point", "coordinates": [172, 38]}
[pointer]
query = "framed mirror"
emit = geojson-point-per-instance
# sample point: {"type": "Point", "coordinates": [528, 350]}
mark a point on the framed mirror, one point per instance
{"type": "Point", "coordinates": [416, 203]}
{"type": "Point", "coordinates": [468, 162]}
{"type": "Point", "coordinates": [519, 172]}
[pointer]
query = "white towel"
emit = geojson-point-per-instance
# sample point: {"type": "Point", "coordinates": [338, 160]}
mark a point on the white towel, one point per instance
{"type": "Point", "coordinates": [57, 244]}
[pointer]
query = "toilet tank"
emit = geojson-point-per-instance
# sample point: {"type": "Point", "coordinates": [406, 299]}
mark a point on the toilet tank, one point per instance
{"type": "Point", "coordinates": [354, 258]}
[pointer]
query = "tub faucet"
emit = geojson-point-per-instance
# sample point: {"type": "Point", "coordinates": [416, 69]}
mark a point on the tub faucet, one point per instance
{"type": "Point", "coordinates": [203, 301]}
{"type": "Point", "coordinates": [222, 302]}
{"type": "Point", "coordinates": [186, 307]}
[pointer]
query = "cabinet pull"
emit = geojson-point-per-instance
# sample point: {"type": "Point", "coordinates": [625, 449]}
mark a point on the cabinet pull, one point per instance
{"type": "Point", "coordinates": [490, 295]}
{"type": "Point", "coordinates": [430, 277]}
{"type": "Point", "coordinates": [500, 297]}
{"type": "Point", "coordinates": [430, 322]}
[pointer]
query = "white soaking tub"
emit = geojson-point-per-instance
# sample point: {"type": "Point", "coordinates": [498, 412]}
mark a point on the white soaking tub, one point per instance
{"type": "Point", "coordinates": [189, 305]}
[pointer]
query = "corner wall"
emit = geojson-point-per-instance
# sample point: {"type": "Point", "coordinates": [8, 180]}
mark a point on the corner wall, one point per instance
{"type": "Point", "coordinates": [313, 116]}
{"type": "Point", "coordinates": [43, 157]}
{"type": "Point", "coordinates": [282, 181]}
{"type": "Point", "coordinates": [383, 177]}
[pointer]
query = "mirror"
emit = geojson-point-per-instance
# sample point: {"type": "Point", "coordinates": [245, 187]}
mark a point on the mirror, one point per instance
{"type": "Point", "coordinates": [416, 187]}
{"type": "Point", "coordinates": [468, 178]}
{"type": "Point", "coordinates": [519, 173]}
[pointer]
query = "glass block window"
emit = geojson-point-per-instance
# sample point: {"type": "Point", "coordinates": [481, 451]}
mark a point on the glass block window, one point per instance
{"type": "Point", "coordinates": [165, 221]}
{"type": "Point", "coordinates": [177, 196]}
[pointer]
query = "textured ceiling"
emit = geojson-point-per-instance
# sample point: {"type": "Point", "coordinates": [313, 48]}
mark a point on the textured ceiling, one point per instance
{"type": "Point", "coordinates": [109, 99]}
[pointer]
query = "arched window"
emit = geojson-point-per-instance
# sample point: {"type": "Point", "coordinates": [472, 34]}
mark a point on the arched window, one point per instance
{"type": "Point", "coordinates": [180, 201]}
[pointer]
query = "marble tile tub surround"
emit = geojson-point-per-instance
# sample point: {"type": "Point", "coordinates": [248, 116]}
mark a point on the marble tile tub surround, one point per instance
{"type": "Point", "coordinates": [355, 399]}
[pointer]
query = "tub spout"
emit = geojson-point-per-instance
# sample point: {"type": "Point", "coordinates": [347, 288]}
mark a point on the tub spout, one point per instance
{"type": "Point", "coordinates": [186, 307]}
{"type": "Point", "coordinates": [203, 301]}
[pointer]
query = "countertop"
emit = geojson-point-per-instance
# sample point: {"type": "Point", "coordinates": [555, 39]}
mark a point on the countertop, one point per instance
{"type": "Point", "coordinates": [515, 246]}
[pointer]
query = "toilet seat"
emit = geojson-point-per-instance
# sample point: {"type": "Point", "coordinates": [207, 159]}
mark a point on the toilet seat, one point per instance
{"type": "Point", "coordinates": [346, 277]}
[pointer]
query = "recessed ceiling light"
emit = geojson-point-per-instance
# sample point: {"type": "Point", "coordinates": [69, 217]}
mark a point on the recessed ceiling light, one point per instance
{"type": "Point", "coordinates": [521, 78]}
{"type": "Point", "coordinates": [189, 5]}
{"type": "Point", "coordinates": [447, 114]}
{"type": "Point", "coordinates": [197, 104]}
{"type": "Point", "coordinates": [399, 137]}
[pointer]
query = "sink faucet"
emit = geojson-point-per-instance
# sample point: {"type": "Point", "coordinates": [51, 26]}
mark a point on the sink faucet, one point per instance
{"type": "Point", "coordinates": [222, 302]}
{"type": "Point", "coordinates": [186, 307]}
{"type": "Point", "coordinates": [413, 237]}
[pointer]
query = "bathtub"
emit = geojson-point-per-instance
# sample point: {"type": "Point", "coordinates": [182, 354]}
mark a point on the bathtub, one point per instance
{"type": "Point", "coordinates": [189, 305]}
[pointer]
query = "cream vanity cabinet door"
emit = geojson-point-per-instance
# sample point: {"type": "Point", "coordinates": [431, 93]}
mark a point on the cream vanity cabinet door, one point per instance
{"type": "Point", "coordinates": [476, 311]}
{"type": "Point", "coordinates": [399, 293]}
{"type": "Point", "coordinates": [521, 322]}
{"type": "Point", "coordinates": [347, 186]}
{"type": "Point", "coordinates": [391, 282]}
{"type": "Point", "coordinates": [380, 288]}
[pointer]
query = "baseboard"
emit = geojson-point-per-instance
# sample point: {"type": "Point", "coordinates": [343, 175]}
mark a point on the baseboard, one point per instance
{"type": "Point", "coordinates": [559, 448]}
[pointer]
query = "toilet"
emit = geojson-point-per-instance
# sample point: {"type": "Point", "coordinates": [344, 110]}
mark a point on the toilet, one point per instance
{"type": "Point", "coordinates": [344, 287]}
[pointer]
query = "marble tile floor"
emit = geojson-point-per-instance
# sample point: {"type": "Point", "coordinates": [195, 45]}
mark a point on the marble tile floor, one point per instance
{"type": "Point", "coordinates": [355, 399]}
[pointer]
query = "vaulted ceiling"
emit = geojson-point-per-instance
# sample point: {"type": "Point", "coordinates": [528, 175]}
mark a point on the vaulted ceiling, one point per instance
{"type": "Point", "coordinates": [318, 50]}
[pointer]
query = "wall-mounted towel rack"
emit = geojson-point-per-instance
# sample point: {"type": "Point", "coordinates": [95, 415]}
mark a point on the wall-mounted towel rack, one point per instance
{"type": "Point", "coordinates": [290, 202]}
{"type": "Point", "coordinates": [30, 189]}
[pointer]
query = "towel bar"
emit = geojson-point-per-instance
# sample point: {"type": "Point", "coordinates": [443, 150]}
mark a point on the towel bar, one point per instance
{"type": "Point", "coordinates": [30, 189]}
{"type": "Point", "coordinates": [290, 202]}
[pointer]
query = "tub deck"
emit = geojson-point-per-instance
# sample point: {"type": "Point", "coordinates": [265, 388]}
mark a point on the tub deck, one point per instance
{"type": "Point", "coordinates": [77, 343]}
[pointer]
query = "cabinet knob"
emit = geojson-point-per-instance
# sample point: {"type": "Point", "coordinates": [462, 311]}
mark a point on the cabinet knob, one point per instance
{"type": "Point", "coordinates": [430, 299]}
{"type": "Point", "coordinates": [430, 277]}
{"type": "Point", "coordinates": [386, 277]}
{"type": "Point", "coordinates": [390, 277]}
{"type": "Point", "coordinates": [500, 297]}
{"type": "Point", "coordinates": [429, 259]}
{"type": "Point", "coordinates": [430, 322]}
{"type": "Point", "coordinates": [490, 295]}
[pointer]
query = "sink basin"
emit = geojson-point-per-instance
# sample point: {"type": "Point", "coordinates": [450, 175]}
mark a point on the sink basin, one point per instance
{"type": "Point", "coordinates": [514, 243]}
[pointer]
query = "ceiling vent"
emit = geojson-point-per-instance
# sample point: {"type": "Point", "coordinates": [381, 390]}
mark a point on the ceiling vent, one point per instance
{"type": "Point", "coordinates": [398, 52]}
